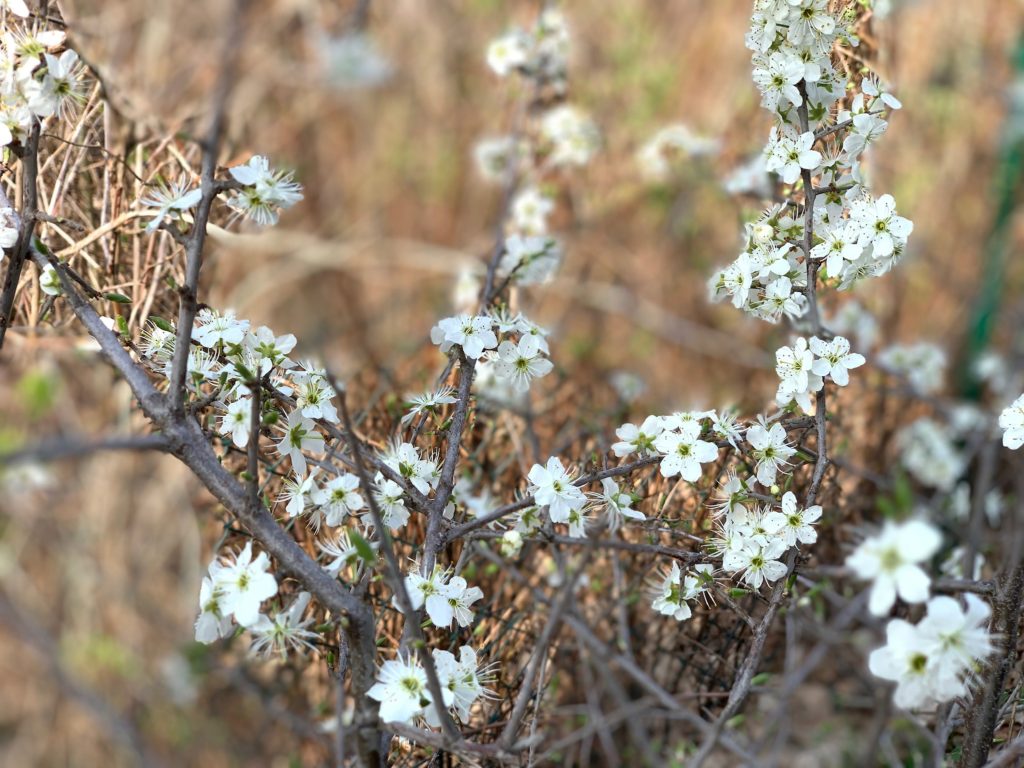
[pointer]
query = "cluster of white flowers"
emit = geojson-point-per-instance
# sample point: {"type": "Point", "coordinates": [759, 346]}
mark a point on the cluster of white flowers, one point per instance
{"type": "Point", "coordinates": [930, 455]}
{"type": "Point", "coordinates": [923, 365]}
{"type": "Point", "coordinates": [36, 81]}
{"type": "Point", "coordinates": [540, 53]}
{"type": "Point", "coordinates": [664, 153]}
{"type": "Point", "coordinates": [570, 136]}
{"type": "Point", "coordinates": [855, 234]}
{"type": "Point", "coordinates": [517, 361]}
{"type": "Point", "coordinates": [235, 588]}
{"type": "Point", "coordinates": [566, 134]}
{"type": "Point", "coordinates": [803, 367]}
{"type": "Point", "coordinates": [560, 135]}
{"type": "Point", "coordinates": [935, 661]}
{"type": "Point", "coordinates": [227, 357]}
{"type": "Point", "coordinates": [264, 191]}
{"type": "Point", "coordinates": [678, 439]}
{"type": "Point", "coordinates": [1011, 421]}
{"type": "Point", "coordinates": [508, 352]}
{"type": "Point", "coordinates": [352, 61]}
{"type": "Point", "coordinates": [260, 194]}
{"type": "Point", "coordinates": [554, 488]}
{"type": "Point", "coordinates": [445, 597]}
{"type": "Point", "coordinates": [530, 259]}
{"type": "Point", "coordinates": [673, 593]}
{"type": "Point", "coordinates": [681, 445]}
{"type": "Point", "coordinates": [767, 279]}
{"type": "Point", "coordinates": [404, 696]}
{"type": "Point", "coordinates": [752, 541]}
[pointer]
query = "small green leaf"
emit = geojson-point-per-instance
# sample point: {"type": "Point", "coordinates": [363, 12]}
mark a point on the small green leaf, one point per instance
{"type": "Point", "coordinates": [160, 323]}
{"type": "Point", "coordinates": [117, 298]}
{"type": "Point", "coordinates": [363, 548]}
{"type": "Point", "coordinates": [244, 372]}
{"type": "Point", "coordinates": [38, 391]}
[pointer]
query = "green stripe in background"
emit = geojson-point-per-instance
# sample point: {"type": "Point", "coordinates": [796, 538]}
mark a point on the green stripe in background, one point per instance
{"type": "Point", "coordinates": [1007, 182]}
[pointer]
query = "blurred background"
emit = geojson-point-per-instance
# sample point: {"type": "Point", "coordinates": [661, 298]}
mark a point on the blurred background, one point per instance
{"type": "Point", "coordinates": [101, 556]}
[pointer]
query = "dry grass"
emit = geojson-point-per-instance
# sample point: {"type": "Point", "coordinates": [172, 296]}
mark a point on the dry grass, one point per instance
{"type": "Point", "coordinates": [109, 559]}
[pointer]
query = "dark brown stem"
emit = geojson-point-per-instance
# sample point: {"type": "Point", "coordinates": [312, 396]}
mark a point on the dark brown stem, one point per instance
{"type": "Point", "coordinates": [23, 247]}
{"type": "Point", "coordinates": [983, 714]}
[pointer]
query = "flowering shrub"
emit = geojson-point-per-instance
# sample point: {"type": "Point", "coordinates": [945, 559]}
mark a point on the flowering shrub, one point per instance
{"type": "Point", "coordinates": [370, 545]}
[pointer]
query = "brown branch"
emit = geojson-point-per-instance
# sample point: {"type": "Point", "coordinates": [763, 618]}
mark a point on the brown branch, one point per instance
{"type": "Point", "coordinates": [982, 714]}
{"type": "Point", "coordinates": [398, 586]}
{"type": "Point", "coordinates": [188, 293]}
{"type": "Point", "coordinates": [26, 221]}
{"type": "Point", "coordinates": [39, 640]}
{"type": "Point", "coordinates": [190, 445]}
{"type": "Point", "coordinates": [74, 447]}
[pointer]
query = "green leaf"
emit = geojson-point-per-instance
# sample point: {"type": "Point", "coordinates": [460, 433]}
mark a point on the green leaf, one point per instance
{"type": "Point", "coordinates": [363, 548]}
{"type": "Point", "coordinates": [117, 298]}
{"type": "Point", "coordinates": [38, 391]}
{"type": "Point", "coordinates": [160, 323]}
{"type": "Point", "coordinates": [244, 372]}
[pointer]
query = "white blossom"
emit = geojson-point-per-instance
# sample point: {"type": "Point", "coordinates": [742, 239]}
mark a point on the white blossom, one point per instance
{"type": "Point", "coordinates": [892, 562]}
{"type": "Point", "coordinates": [338, 498]}
{"type": "Point", "coordinates": [552, 486]}
{"type": "Point", "coordinates": [286, 631]}
{"type": "Point", "coordinates": [473, 333]}
{"type": "Point", "coordinates": [835, 359]}
{"type": "Point", "coordinates": [684, 452]}
{"type": "Point", "coordinates": [300, 437]}
{"type": "Point", "coordinates": [1011, 421]}
{"type": "Point", "coordinates": [771, 451]}
{"type": "Point", "coordinates": [788, 154]}
{"type": "Point", "coordinates": [401, 689]}
{"type": "Point", "coordinates": [793, 524]}
{"type": "Point", "coordinates": [521, 363]}
{"type": "Point", "coordinates": [243, 584]}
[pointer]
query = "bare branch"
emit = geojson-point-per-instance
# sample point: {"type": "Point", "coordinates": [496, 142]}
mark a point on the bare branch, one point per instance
{"type": "Point", "coordinates": [76, 447]}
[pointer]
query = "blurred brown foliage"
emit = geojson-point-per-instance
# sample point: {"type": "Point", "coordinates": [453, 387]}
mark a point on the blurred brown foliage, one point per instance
{"type": "Point", "coordinates": [109, 558]}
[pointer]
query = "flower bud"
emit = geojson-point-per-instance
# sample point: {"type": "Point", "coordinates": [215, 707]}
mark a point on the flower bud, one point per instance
{"type": "Point", "coordinates": [763, 233]}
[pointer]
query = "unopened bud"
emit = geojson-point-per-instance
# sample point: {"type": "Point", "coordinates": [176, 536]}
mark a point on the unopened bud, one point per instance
{"type": "Point", "coordinates": [763, 233]}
